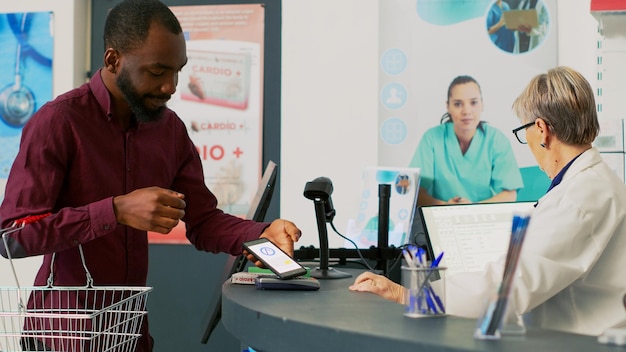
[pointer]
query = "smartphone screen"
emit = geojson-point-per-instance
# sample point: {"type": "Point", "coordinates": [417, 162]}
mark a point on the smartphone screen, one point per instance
{"type": "Point", "coordinates": [274, 258]}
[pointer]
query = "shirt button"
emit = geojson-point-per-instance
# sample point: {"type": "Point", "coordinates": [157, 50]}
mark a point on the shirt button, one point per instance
{"type": "Point", "coordinates": [106, 227]}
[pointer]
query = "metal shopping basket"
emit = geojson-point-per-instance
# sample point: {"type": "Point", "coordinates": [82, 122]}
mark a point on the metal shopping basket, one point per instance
{"type": "Point", "coordinates": [69, 319]}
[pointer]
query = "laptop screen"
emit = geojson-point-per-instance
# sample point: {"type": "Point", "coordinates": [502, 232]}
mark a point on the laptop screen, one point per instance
{"type": "Point", "coordinates": [470, 235]}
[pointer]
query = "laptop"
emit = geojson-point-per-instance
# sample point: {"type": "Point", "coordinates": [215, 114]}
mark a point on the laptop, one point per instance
{"type": "Point", "coordinates": [470, 235]}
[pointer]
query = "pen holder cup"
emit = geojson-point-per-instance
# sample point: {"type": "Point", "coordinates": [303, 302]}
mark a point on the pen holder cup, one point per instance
{"type": "Point", "coordinates": [425, 291]}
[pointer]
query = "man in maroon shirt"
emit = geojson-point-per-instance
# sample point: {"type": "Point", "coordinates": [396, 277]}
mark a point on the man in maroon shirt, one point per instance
{"type": "Point", "coordinates": [110, 162]}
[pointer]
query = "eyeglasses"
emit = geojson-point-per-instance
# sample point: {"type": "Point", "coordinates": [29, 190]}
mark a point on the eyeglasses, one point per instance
{"type": "Point", "coordinates": [520, 132]}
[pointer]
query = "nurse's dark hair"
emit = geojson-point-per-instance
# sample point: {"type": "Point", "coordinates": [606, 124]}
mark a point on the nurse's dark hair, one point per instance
{"type": "Point", "coordinates": [455, 82]}
{"type": "Point", "coordinates": [564, 99]}
{"type": "Point", "coordinates": [128, 23]}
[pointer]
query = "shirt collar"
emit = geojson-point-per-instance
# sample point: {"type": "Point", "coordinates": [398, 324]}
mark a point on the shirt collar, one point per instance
{"type": "Point", "coordinates": [101, 93]}
{"type": "Point", "coordinates": [453, 141]}
{"type": "Point", "coordinates": [559, 177]}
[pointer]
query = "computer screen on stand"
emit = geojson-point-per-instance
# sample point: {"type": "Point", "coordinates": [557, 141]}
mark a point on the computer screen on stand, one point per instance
{"type": "Point", "coordinates": [471, 235]}
{"type": "Point", "coordinates": [258, 208]}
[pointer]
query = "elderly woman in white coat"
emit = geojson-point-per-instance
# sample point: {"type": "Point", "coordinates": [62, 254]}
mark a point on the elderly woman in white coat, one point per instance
{"type": "Point", "coordinates": [571, 273]}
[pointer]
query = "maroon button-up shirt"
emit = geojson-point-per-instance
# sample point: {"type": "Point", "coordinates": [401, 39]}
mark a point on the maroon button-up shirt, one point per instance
{"type": "Point", "coordinates": [74, 158]}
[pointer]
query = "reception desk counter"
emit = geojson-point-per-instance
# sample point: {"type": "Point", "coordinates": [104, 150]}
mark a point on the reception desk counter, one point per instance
{"type": "Point", "coordinates": [337, 319]}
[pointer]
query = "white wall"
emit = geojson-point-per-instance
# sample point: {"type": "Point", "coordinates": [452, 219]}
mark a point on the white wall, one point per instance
{"type": "Point", "coordinates": [577, 37]}
{"type": "Point", "coordinates": [329, 99]}
{"type": "Point", "coordinates": [69, 71]}
{"type": "Point", "coordinates": [329, 105]}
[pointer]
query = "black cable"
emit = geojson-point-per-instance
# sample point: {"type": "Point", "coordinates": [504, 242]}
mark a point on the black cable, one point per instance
{"type": "Point", "coordinates": [364, 261]}
{"type": "Point", "coordinates": [355, 246]}
{"type": "Point", "coordinates": [336, 262]}
{"type": "Point", "coordinates": [398, 259]}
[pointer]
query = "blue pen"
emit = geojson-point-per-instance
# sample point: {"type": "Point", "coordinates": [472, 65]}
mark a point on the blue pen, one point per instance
{"type": "Point", "coordinates": [515, 222]}
{"type": "Point", "coordinates": [437, 299]}
{"type": "Point", "coordinates": [420, 255]}
{"type": "Point", "coordinates": [414, 252]}
{"type": "Point", "coordinates": [435, 263]}
{"type": "Point", "coordinates": [429, 300]}
{"type": "Point", "coordinates": [412, 303]}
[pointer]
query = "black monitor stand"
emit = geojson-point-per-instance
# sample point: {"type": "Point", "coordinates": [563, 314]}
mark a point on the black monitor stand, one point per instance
{"type": "Point", "coordinates": [384, 195]}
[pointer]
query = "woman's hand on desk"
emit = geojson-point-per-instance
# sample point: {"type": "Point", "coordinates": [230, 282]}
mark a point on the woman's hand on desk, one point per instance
{"type": "Point", "coordinates": [459, 200]}
{"type": "Point", "coordinates": [379, 285]}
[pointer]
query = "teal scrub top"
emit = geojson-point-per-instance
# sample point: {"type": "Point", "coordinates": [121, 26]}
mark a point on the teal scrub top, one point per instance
{"type": "Point", "coordinates": [487, 168]}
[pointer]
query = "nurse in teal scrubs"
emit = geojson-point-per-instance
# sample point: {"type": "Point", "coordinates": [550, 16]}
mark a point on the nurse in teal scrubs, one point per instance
{"type": "Point", "coordinates": [464, 160]}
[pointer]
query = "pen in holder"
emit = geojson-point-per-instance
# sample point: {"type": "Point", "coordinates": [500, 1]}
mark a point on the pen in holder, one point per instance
{"type": "Point", "coordinates": [500, 314]}
{"type": "Point", "coordinates": [424, 285]}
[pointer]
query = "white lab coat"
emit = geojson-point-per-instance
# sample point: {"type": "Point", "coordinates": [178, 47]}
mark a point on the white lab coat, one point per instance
{"type": "Point", "coordinates": [572, 270]}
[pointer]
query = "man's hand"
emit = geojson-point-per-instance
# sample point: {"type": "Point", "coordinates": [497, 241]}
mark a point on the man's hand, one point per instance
{"type": "Point", "coordinates": [525, 29]}
{"type": "Point", "coordinates": [150, 209]}
{"type": "Point", "coordinates": [282, 233]}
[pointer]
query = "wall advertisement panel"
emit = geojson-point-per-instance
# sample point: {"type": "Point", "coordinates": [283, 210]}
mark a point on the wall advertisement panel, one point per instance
{"type": "Point", "coordinates": [220, 99]}
{"type": "Point", "coordinates": [424, 44]}
{"type": "Point", "coordinates": [26, 46]}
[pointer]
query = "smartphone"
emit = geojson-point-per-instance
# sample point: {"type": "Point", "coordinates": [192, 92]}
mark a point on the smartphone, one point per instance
{"type": "Point", "coordinates": [279, 262]}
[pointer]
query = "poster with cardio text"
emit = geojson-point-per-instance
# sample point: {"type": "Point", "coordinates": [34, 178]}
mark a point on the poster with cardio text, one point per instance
{"type": "Point", "coordinates": [219, 97]}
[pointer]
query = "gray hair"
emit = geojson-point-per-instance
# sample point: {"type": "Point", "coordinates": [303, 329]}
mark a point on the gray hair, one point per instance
{"type": "Point", "coordinates": [564, 99]}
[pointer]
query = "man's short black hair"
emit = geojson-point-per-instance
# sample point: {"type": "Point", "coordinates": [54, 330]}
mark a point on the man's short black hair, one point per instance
{"type": "Point", "coordinates": [128, 23]}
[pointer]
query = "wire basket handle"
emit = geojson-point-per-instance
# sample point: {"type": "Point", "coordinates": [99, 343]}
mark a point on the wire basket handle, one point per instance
{"type": "Point", "coordinates": [50, 281]}
{"type": "Point", "coordinates": [6, 246]}
{"type": "Point", "coordinates": [18, 225]}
